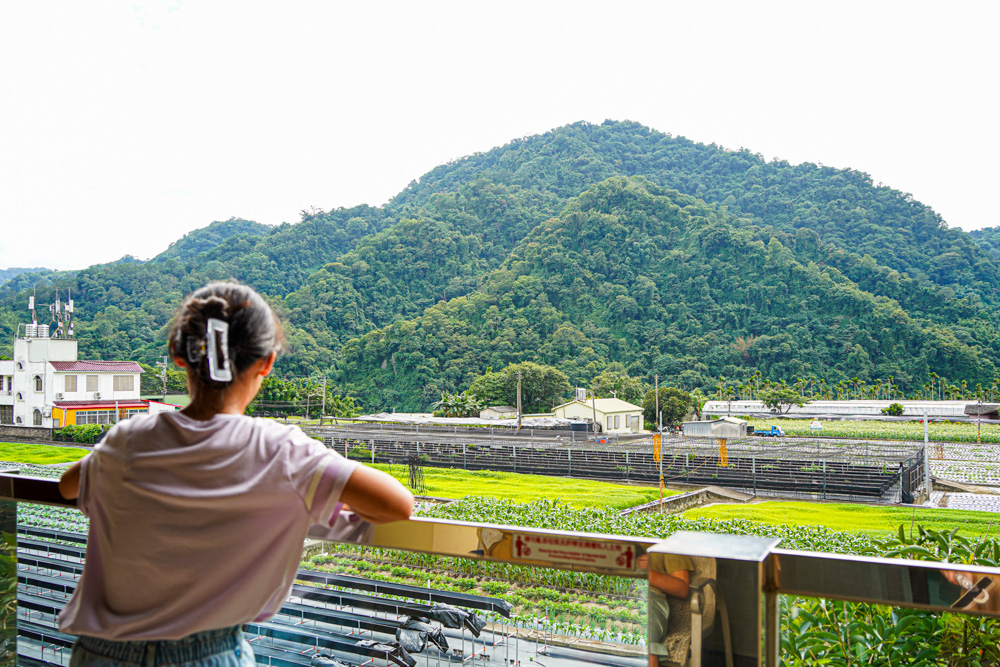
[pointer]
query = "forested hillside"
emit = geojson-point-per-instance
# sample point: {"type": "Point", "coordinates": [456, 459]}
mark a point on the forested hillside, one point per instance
{"type": "Point", "coordinates": [664, 283]}
{"type": "Point", "coordinates": [989, 240]}
{"type": "Point", "coordinates": [842, 205]}
{"type": "Point", "coordinates": [587, 245]}
{"type": "Point", "coordinates": [12, 272]}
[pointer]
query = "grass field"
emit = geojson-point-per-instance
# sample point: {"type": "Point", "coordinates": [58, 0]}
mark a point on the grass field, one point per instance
{"type": "Point", "coordinates": [873, 520]}
{"type": "Point", "coordinates": [19, 452]}
{"type": "Point", "coordinates": [578, 493]}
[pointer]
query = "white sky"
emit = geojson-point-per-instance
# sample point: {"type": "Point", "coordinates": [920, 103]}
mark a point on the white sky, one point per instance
{"type": "Point", "coordinates": [122, 127]}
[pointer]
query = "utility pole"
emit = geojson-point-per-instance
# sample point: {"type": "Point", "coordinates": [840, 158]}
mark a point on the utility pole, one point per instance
{"type": "Point", "coordinates": [323, 409]}
{"type": "Point", "coordinates": [519, 400]}
{"type": "Point", "coordinates": [979, 422]}
{"type": "Point", "coordinates": [656, 415]}
{"type": "Point", "coordinates": [593, 398]}
{"type": "Point", "coordinates": [163, 376]}
{"type": "Point", "coordinates": [928, 482]}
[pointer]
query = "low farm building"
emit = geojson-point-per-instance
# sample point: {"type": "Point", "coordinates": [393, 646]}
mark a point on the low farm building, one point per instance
{"type": "Point", "coordinates": [613, 414]}
{"type": "Point", "coordinates": [498, 412]}
{"type": "Point", "coordinates": [727, 427]}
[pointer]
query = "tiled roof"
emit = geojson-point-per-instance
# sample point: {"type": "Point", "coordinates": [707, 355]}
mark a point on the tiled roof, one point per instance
{"type": "Point", "coordinates": [97, 366]}
{"type": "Point", "coordinates": [82, 405]}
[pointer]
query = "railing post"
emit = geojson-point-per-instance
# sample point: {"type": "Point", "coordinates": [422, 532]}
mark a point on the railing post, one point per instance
{"type": "Point", "coordinates": [627, 467]}
{"type": "Point", "coordinates": [465, 462]}
{"type": "Point", "coordinates": [513, 450]}
{"type": "Point", "coordinates": [772, 627]}
{"type": "Point", "coordinates": [753, 464]}
{"type": "Point", "coordinates": [569, 460]}
{"type": "Point", "coordinates": [824, 480]}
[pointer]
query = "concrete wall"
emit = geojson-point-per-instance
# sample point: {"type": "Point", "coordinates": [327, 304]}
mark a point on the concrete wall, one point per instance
{"type": "Point", "coordinates": [19, 433]}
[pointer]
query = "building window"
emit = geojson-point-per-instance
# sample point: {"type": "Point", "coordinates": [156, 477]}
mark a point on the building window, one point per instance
{"type": "Point", "coordinates": [69, 384]}
{"type": "Point", "coordinates": [6, 414]}
{"type": "Point", "coordinates": [20, 366]}
{"type": "Point", "coordinates": [133, 412]}
{"type": "Point", "coordinates": [38, 383]}
{"type": "Point", "coordinates": [91, 383]}
{"type": "Point", "coordinates": [124, 383]}
{"type": "Point", "coordinates": [611, 422]}
{"type": "Point", "coordinates": [95, 417]}
{"type": "Point", "coordinates": [618, 421]}
{"type": "Point", "coordinates": [20, 396]}
{"type": "Point", "coordinates": [37, 417]}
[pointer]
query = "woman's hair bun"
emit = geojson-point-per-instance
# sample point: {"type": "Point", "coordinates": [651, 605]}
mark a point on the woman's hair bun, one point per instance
{"type": "Point", "coordinates": [254, 330]}
{"type": "Point", "coordinates": [213, 306]}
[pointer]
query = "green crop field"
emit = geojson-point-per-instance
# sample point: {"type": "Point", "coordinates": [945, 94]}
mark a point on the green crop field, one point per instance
{"type": "Point", "coordinates": [869, 519]}
{"type": "Point", "coordinates": [19, 452]}
{"type": "Point", "coordinates": [578, 493]}
{"type": "Point", "coordinates": [872, 429]}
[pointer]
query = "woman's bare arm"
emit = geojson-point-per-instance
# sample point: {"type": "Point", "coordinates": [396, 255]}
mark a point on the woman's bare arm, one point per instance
{"type": "Point", "coordinates": [69, 483]}
{"type": "Point", "coordinates": [377, 497]}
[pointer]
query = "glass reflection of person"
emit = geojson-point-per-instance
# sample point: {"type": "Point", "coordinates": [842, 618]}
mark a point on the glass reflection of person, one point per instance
{"type": "Point", "coordinates": [669, 576]}
{"type": "Point", "coordinates": [976, 591]}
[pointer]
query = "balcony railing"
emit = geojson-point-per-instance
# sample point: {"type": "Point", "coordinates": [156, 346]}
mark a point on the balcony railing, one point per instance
{"type": "Point", "coordinates": [734, 604]}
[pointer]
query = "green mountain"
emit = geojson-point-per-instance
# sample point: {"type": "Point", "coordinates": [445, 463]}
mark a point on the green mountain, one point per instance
{"type": "Point", "coordinates": [208, 238]}
{"type": "Point", "coordinates": [583, 246]}
{"type": "Point", "coordinates": [989, 239]}
{"type": "Point", "coordinates": [664, 283]}
{"type": "Point", "coordinates": [14, 271]}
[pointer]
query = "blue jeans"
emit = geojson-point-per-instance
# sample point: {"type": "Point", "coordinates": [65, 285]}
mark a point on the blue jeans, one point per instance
{"type": "Point", "coordinates": [212, 648]}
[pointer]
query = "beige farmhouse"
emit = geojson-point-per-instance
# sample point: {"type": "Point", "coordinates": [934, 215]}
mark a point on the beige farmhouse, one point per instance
{"type": "Point", "coordinates": [613, 414]}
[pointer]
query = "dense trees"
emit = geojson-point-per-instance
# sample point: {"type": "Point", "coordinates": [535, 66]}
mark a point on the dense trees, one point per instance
{"type": "Point", "coordinates": [674, 404]}
{"type": "Point", "coordinates": [542, 387]}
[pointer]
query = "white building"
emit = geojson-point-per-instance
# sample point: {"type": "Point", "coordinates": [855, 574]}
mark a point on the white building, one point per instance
{"type": "Point", "coordinates": [613, 414]}
{"type": "Point", "coordinates": [45, 385]}
{"type": "Point", "coordinates": [498, 412]}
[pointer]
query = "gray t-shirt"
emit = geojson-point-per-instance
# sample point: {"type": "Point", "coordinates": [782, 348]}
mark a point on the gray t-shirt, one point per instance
{"type": "Point", "coordinates": [197, 525]}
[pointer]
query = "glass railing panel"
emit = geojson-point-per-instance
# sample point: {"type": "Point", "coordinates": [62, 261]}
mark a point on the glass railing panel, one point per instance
{"type": "Point", "coordinates": [8, 583]}
{"type": "Point", "coordinates": [524, 613]}
{"type": "Point", "coordinates": [51, 548]}
{"type": "Point", "coordinates": [365, 604]}
{"type": "Point", "coordinates": [849, 609]}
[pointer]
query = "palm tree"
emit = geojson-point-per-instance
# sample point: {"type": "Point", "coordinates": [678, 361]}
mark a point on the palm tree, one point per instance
{"type": "Point", "coordinates": [447, 404]}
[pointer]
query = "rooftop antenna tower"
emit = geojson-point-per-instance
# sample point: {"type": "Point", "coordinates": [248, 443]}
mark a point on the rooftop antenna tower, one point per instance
{"type": "Point", "coordinates": [69, 315]}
